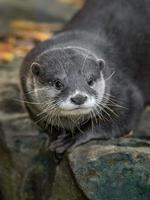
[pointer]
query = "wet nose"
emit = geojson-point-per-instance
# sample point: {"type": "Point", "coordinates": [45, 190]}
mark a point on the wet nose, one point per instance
{"type": "Point", "coordinates": [79, 99]}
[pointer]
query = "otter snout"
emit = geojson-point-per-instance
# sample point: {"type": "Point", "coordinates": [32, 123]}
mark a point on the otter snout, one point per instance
{"type": "Point", "coordinates": [78, 99]}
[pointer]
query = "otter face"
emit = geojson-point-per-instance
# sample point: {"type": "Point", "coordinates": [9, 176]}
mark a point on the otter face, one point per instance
{"type": "Point", "coordinates": [68, 81]}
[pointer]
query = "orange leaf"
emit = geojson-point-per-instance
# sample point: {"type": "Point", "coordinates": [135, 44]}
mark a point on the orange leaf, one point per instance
{"type": "Point", "coordinates": [5, 46]}
{"type": "Point", "coordinates": [34, 35]}
{"type": "Point", "coordinates": [6, 56]}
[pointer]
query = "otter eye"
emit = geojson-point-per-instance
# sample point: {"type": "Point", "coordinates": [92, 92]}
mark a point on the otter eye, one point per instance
{"type": "Point", "coordinates": [35, 67]}
{"type": "Point", "coordinates": [91, 81]}
{"type": "Point", "coordinates": [58, 85]}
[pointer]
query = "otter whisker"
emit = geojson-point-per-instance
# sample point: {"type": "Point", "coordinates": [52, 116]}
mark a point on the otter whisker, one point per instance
{"type": "Point", "coordinates": [42, 112]}
{"type": "Point", "coordinates": [109, 77]}
{"type": "Point", "coordinates": [54, 113]}
{"type": "Point", "coordinates": [77, 126]}
{"type": "Point", "coordinates": [43, 118]}
{"type": "Point", "coordinates": [28, 102]}
{"type": "Point", "coordinates": [55, 117]}
{"type": "Point", "coordinates": [36, 90]}
{"type": "Point", "coordinates": [98, 114]}
{"type": "Point", "coordinates": [99, 110]}
{"type": "Point", "coordinates": [58, 114]}
{"type": "Point", "coordinates": [92, 124]}
{"type": "Point", "coordinates": [45, 109]}
{"type": "Point", "coordinates": [110, 95]}
{"type": "Point", "coordinates": [112, 111]}
{"type": "Point", "coordinates": [103, 108]}
{"type": "Point", "coordinates": [76, 123]}
{"type": "Point", "coordinates": [46, 124]}
{"type": "Point", "coordinates": [94, 116]}
{"type": "Point", "coordinates": [107, 109]}
{"type": "Point", "coordinates": [113, 103]}
{"type": "Point", "coordinates": [46, 115]}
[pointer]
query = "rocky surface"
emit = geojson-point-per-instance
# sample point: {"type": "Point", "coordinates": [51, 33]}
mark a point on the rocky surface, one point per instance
{"type": "Point", "coordinates": [113, 170]}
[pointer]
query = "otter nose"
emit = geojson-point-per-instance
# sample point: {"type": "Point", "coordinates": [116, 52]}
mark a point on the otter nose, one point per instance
{"type": "Point", "coordinates": [79, 99]}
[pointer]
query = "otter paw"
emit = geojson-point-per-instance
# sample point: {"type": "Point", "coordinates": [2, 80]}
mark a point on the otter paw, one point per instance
{"type": "Point", "coordinates": [60, 145]}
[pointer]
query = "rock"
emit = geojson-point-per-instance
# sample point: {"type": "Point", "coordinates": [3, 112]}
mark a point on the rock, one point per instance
{"type": "Point", "coordinates": [65, 186]}
{"type": "Point", "coordinates": [113, 170]}
{"type": "Point", "coordinates": [26, 167]}
{"type": "Point", "coordinates": [28, 170]}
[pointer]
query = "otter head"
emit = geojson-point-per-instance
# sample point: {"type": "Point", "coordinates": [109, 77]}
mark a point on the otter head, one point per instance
{"type": "Point", "coordinates": [68, 82]}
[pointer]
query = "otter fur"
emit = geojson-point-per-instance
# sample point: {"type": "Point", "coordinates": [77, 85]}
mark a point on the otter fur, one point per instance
{"type": "Point", "coordinates": [92, 79]}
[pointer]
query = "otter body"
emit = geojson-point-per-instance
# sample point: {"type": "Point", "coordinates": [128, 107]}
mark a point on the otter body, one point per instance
{"type": "Point", "coordinates": [92, 79]}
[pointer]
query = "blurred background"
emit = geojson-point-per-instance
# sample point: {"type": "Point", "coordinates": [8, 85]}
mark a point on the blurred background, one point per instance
{"type": "Point", "coordinates": [34, 20]}
{"type": "Point", "coordinates": [47, 10]}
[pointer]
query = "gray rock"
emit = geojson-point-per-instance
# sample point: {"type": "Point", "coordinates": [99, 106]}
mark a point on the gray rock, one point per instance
{"type": "Point", "coordinates": [113, 170]}
{"type": "Point", "coordinates": [65, 186]}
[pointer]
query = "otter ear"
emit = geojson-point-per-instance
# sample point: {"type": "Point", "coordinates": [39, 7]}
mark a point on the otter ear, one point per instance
{"type": "Point", "coordinates": [35, 68]}
{"type": "Point", "coordinates": [101, 63]}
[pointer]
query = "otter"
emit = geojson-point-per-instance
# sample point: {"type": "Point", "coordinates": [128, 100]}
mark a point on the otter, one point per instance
{"type": "Point", "coordinates": [92, 79]}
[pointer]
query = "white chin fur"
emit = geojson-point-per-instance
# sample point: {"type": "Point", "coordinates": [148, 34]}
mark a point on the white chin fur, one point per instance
{"type": "Point", "coordinates": [80, 111]}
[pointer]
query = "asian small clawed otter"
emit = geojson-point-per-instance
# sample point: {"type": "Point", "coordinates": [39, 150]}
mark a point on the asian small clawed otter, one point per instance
{"type": "Point", "coordinates": [92, 79]}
